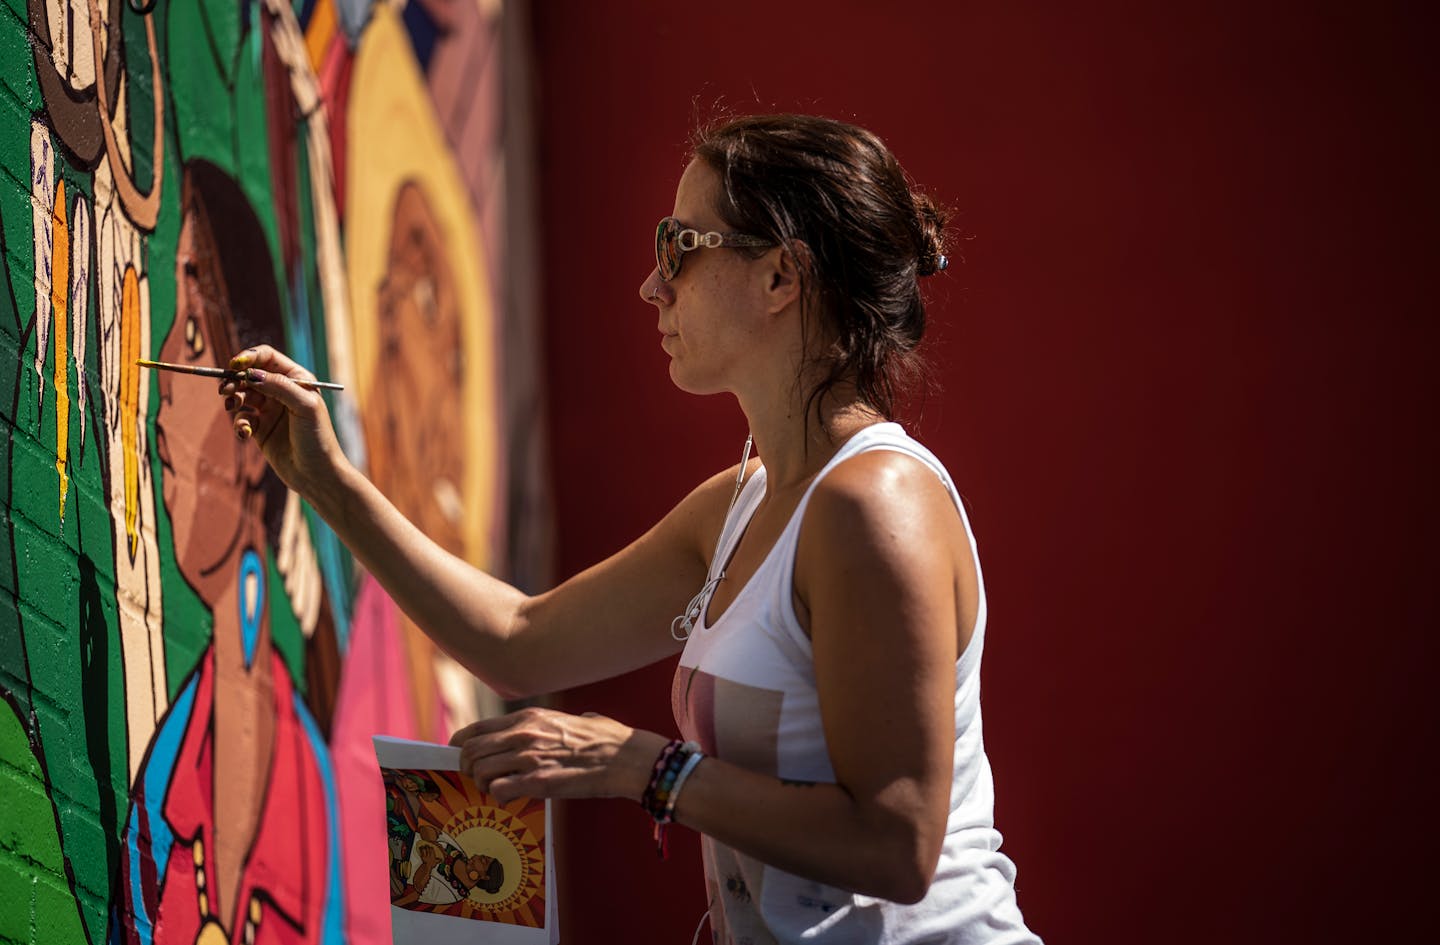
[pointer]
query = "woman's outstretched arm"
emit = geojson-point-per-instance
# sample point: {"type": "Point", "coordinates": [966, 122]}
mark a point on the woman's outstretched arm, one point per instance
{"type": "Point", "coordinates": [607, 620]}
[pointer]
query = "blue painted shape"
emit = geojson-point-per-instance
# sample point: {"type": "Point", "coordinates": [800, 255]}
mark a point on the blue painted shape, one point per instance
{"type": "Point", "coordinates": [250, 623]}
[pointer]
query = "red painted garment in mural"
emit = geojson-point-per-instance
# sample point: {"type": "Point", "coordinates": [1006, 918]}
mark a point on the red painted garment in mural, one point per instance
{"type": "Point", "coordinates": [286, 893]}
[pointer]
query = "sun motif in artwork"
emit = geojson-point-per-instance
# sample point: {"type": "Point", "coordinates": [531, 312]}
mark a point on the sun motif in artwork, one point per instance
{"type": "Point", "coordinates": [456, 851]}
{"type": "Point", "coordinates": [518, 876]}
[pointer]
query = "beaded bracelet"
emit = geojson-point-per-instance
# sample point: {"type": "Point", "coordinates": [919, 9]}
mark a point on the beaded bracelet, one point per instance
{"type": "Point", "coordinates": [647, 799]}
{"type": "Point", "coordinates": [673, 766]}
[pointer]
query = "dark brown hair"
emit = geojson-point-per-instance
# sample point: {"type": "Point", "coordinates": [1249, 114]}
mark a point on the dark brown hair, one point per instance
{"type": "Point", "coordinates": [868, 237]}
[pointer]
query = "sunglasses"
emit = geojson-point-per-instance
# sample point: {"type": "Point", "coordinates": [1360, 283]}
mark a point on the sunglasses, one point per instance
{"type": "Point", "coordinates": [673, 240]}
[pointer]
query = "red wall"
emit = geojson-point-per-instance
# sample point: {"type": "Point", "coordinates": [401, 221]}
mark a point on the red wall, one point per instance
{"type": "Point", "coordinates": [1186, 389]}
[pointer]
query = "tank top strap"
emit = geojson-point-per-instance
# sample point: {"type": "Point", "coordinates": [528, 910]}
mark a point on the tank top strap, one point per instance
{"type": "Point", "coordinates": [887, 436]}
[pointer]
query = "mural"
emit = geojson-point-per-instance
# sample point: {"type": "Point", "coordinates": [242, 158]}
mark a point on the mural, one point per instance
{"type": "Point", "coordinates": [191, 665]}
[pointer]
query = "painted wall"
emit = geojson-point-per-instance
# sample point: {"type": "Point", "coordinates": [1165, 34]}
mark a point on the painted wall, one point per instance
{"type": "Point", "coordinates": [1187, 386]}
{"type": "Point", "coordinates": [190, 665]}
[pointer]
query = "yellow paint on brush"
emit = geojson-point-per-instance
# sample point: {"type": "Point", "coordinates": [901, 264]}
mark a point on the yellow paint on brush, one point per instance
{"type": "Point", "coordinates": [59, 306]}
{"type": "Point", "coordinates": [130, 399]}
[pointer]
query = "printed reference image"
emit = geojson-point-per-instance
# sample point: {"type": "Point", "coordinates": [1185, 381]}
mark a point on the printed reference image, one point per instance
{"type": "Point", "coordinates": [456, 851]}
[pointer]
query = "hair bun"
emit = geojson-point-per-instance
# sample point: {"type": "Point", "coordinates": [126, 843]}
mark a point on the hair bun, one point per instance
{"type": "Point", "coordinates": [930, 221]}
{"type": "Point", "coordinates": [869, 231]}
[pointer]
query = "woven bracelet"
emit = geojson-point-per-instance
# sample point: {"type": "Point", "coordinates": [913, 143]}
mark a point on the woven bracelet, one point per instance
{"type": "Point", "coordinates": [674, 764]}
{"type": "Point", "coordinates": [657, 773]}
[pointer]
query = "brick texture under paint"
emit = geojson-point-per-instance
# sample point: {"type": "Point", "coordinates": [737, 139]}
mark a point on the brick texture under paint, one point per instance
{"type": "Point", "coordinates": [103, 641]}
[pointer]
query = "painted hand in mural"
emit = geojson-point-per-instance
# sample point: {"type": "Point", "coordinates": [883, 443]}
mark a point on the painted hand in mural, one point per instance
{"type": "Point", "coordinates": [290, 424]}
{"type": "Point", "coordinates": [543, 753]}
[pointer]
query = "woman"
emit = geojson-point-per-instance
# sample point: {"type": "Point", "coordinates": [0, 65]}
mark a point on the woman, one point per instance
{"type": "Point", "coordinates": [829, 682]}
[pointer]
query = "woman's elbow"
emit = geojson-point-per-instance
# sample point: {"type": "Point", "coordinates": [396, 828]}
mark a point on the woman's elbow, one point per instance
{"type": "Point", "coordinates": [512, 682]}
{"type": "Point", "coordinates": [510, 691]}
{"type": "Point", "coordinates": [505, 667]}
{"type": "Point", "coordinates": [906, 874]}
{"type": "Point", "coordinates": [908, 885]}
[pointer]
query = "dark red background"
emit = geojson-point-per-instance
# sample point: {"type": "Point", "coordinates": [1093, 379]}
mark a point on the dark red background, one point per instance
{"type": "Point", "coordinates": [1187, 366]}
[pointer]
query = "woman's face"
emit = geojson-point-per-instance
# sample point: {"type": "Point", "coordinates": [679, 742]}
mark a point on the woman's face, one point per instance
{"type": "Point", "coordinates": [711, 313]}
{"type": "Point", "coordinates": [203, 467]}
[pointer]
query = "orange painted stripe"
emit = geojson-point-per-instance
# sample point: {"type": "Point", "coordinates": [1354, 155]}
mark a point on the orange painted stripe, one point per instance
{"type": "Point", "coordinates": [60, 321]}
{"type": "Point", "coordinates": [130, 399]}
{"type": "Point", "coordinates": [321, 30]}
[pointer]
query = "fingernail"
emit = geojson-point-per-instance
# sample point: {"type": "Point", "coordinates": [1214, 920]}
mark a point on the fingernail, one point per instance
{"type": "Point", "coordinates": [243, 431]}
{"type": "Point", "coordinates": [243, 358]}
{"type": "Point", "coordinates": [231, 401]}
{"type": "Point", "coordinates": [255, 376]}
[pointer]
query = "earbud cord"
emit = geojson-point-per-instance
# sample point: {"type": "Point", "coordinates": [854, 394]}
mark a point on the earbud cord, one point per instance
{"type": "Point", "coordinates": [696, 937]}
{"type": "Point", "coordinates": [682, 626]}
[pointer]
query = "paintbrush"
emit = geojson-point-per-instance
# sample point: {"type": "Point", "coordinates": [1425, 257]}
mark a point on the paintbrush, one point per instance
{"type": "Point", "coordinates": [227, 374]}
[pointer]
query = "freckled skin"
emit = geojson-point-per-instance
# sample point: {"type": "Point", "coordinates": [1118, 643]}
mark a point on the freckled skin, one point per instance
{"type": "Point", "coordinates": [709, 335]}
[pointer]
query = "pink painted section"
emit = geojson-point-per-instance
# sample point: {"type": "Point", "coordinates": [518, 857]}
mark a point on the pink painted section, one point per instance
{"type": "Point", "coordinates": [373, 700]}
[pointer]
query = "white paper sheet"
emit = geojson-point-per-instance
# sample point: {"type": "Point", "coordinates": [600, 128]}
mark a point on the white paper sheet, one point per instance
{"type": "Point", "coordinates": [463, 867]}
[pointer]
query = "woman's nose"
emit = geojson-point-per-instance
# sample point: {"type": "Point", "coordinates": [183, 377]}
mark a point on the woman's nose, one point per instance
{"type": "Point", "coordinates": [655, 291]}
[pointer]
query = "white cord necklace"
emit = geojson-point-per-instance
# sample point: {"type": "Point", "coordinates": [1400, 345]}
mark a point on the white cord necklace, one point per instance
{"type": "Point", "coordinates": [684, 625]}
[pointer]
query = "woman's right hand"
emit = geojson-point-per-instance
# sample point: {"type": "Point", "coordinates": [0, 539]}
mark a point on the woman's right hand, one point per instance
{"type": "Point", "coordinates": [289, 423]}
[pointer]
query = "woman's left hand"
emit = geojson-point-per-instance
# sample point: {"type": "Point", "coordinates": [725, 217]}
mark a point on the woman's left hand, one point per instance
{"type": "Point", "coordinates": [544, 753]}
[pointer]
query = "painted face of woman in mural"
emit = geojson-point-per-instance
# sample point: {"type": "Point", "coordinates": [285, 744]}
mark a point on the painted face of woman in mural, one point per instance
{"type": "Point", "coordinates": [216, 495]}
{"type": "Point", "coordinates": [413, 420]}
{"type": "Point", "coordinates": [210, 481]}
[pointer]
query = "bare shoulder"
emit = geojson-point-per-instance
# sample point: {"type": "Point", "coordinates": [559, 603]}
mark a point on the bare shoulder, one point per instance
{"type": "Point", "coordinates": [882, 538]}
{"type": "Point", "coordinates": [885, 490]}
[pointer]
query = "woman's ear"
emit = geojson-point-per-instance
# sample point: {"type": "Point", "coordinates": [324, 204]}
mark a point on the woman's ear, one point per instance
{"type": "Point", "coordinates": [785, 274]}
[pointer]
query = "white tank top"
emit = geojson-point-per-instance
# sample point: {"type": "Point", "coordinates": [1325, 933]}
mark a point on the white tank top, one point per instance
{"type": "Point", "coordinates": [745, 690]}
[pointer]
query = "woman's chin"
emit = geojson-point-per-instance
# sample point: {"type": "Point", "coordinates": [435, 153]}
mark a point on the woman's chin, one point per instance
{"type": "Point", "coordinates": [689, 382]}
{"type": "Point", "coordinates": [682, 383]}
